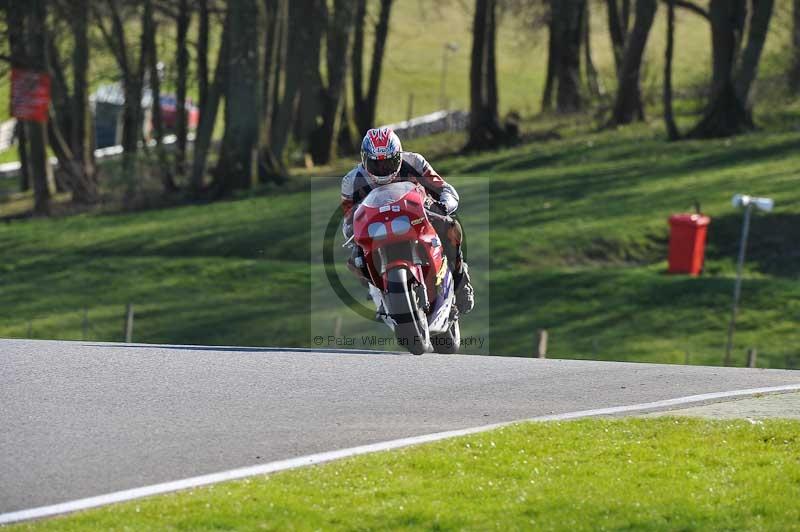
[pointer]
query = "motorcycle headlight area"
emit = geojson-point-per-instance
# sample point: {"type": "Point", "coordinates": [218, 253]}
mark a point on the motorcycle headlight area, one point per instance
{"type": "Point", "coordinates": [401, 225]}
{"type": "Point", "coordinates": [377, 230]}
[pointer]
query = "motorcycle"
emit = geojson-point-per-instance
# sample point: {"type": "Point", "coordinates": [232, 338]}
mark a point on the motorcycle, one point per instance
{"type": "Point", "coordinates": [406, 267]}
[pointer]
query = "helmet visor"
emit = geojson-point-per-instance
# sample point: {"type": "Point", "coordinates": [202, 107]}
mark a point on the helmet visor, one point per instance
{"type": "Point", "coordinates": [384, 167]}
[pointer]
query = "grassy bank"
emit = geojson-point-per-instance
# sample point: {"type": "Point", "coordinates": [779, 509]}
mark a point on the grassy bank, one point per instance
{"type": "Point", "coordinates": [575, 241]}
{"type": "Point", "coordinates": [670, 473]}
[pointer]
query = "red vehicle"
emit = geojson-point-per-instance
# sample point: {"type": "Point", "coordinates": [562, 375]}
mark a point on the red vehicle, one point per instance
{"type": "Point", "coordinates": [411, 283]}
{"type": "Point", "coordinates": [169, 113]}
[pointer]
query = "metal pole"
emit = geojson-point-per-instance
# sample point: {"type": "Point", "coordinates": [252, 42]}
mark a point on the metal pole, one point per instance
{"type": "Point", "coordinates": [737, 289]}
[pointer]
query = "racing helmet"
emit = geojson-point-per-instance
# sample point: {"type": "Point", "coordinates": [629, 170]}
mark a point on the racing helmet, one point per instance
{"type": "Point", "coordinates": [381, 155]}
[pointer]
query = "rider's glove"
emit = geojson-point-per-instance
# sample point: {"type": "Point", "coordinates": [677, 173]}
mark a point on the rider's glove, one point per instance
{"type": "Point", "coordinates": [449, 201]}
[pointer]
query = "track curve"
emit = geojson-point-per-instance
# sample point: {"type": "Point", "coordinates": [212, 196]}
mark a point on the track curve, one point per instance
{"type": "Point", "coordinates": [81, 419]}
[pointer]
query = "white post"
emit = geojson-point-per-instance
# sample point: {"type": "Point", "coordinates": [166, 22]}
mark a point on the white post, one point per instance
{"type": "Point", "coordinates": [541, 350]}
{"type": "Point", "coordinates": [128, 323]}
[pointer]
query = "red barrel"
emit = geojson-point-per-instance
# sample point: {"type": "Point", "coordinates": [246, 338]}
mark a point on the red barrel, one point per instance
{"type": "Point", "coordinates": [687, 243]}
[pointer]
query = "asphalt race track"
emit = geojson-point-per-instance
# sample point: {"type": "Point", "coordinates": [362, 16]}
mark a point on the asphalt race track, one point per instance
{"type": "Point", "coordinates": [80, 419]}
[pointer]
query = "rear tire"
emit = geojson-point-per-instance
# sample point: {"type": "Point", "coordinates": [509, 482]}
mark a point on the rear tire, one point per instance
{"type": "Point", "coordinates": [411, 326]}
{"type": "Point", "coordinates": [447, 343]}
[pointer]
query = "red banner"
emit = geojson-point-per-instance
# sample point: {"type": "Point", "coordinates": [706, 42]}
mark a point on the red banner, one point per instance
{"type": "Point", "coordinates": [30, 95]}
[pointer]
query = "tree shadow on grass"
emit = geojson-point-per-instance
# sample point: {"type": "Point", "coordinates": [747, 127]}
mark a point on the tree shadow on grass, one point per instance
{"type": "Point", "coordinates": [773, 245]}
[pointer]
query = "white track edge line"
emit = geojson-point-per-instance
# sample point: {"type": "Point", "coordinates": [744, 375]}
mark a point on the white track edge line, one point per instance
{"type": "Point", "coordinates": [319, 458]}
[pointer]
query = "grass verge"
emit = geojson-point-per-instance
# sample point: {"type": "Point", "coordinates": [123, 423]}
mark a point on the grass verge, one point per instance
{"type": "Point", "coordinates": [654, 474]}
{"type": "Point", "coordinates": [577, 239]}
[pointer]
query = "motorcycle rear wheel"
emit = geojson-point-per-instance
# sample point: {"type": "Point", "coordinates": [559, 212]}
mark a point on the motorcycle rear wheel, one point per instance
{"type": "Point", "coordinates": [411, 326]}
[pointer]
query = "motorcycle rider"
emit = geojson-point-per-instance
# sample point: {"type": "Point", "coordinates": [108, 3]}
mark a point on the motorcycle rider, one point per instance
{"type": "Point", "coordinates": [383, 161]}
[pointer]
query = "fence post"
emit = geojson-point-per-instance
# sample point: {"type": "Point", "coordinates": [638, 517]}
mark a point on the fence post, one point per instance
{"type": "Point", "coordinates": [541, 350]}
{"type": "Point", "coordinates": [85, 324]}
{"type": "Point", "coordinates": [128, 323]}
{"type": "Point", "coordinates": [337, 327]}
{"type": "Point", "coordinates": [752, 355]}
{"type": "Point", "coordinates": [410, 112]}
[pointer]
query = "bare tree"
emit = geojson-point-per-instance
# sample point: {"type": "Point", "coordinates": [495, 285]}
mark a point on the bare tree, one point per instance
{"type": "Point", "coordinates": [182, 63]}
{"type": "Point", "coordinates": [339, 35]}
{"type": "Point", "coordinates": [208, 116]}
{"type": "Point", "coordinates": [733, 73]}
{"type": "Point", "coordinates": [593, 82]}
{"type": "Point", "coordinates": [618, 20]}
{"type": "Point", "coordinates": [364, 105]}
{"type": "Point", "coordinates": [484, 124]}
{"type": "Point", "coordinates": [132, 68]}
{"type": "Point", "coordinates": [28, 44]}
{"type": "Point", "coordinates": [154, 76]}
{"type": "Point", "coordinates": [237, 165]}
{"type": "Point", "coordinates": [669, 119]}
{"type": "Point", "coordinates": [566, 31]}
{"type": "Point", "coordinates": [203, 28]}
{"type": "Point", "coordinates": [628, 105]}
{"type": "Point", "coordinates": [271, 167]}
{"type": "Point", "coordinates": [300, 49]}
{"type": "Point", "coordinates": [67, 128]}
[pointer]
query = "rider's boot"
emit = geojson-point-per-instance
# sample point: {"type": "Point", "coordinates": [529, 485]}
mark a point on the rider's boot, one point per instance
{"type": "Point", "coordinates": [451, 234]}
{"type": "Point", "coordinates": [465, 295]}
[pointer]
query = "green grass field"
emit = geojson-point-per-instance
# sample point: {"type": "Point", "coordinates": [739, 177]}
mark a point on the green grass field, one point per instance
{"type": "Point", "coordinates": [576, 234]}
{"type": "Point", "coordinates": [573, 231]}
{"type": "Point", "coordinates": [632, 474]}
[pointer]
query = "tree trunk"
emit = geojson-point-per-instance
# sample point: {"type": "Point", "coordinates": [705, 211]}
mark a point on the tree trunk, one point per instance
{"type": "Point", "coordinates": [357, 65]}
{"type": "Point", "coordinates": [22, 149]}
{"type": "Point", "coordinates": [364, 108]}
{"type": "Point", "coordinates": [237, 168]}
{"type": "Point", "coordinates": [35, 36]}
{"type": "Point", "coordinates": [617, 33]}
{"type": "Point", "coordinates": [756, 36]}
{"type": "Point", "coordinates": [628, 104]}
{"type": "Point", "coordinates": [70, 175]}
{"type": "Point", "coordinates": [182, 63]}
{"type": "Point", "coordinates": [202, 53]}
{"type": "Point", "coordinates": [484, 125]}
{"type": "Point", "coordinates": [625, 18]}
{"type": "Point", "coordinates": [492, 107]}
{"type": "Point", "coordinates": [81, 134]}
{"type": "Point", "coordinates": [794, 74]}
{"type": "Point", "coordinates": [300, 46]}
{"type": "Point", "coordinates": [669, 119]}
{"type": "Point", "coordinates": [271, 168]}
{"type": "Point", "coordinates": [568, 15]}
{"type": "Point", "coordinates": [308, 110]}
{"type": "Point", "coordinates": [592, 79]}
{"type": "Point", "coordinates": [132, 80]}
{"type": "Point", "coordinates": [208, 117]}
{"type": "Point", "coordinates": [553, 46]}
{"type": "Point", "coordinates": [340, 31]}
{"type": "Point", "coordinates": [164, 169]}
{"type": "Point", "coordinates": [726, 113]}
{"type": "Point", "coordinates": [348, 141]}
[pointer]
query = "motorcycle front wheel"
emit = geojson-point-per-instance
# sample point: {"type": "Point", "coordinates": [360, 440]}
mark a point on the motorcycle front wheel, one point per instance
{"type": "Point", "coordinates": [411, 325]}
{"type": "Point", "coordinates": [447, 343]}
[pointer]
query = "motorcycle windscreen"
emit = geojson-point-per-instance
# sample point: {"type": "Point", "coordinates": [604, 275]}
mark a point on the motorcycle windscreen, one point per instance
{"type": "Point", "coordinates": [387, 194]}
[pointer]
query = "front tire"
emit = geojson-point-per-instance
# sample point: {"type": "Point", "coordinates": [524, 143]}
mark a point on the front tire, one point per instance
{"type": "Point", "coordinates": [411, 326]}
